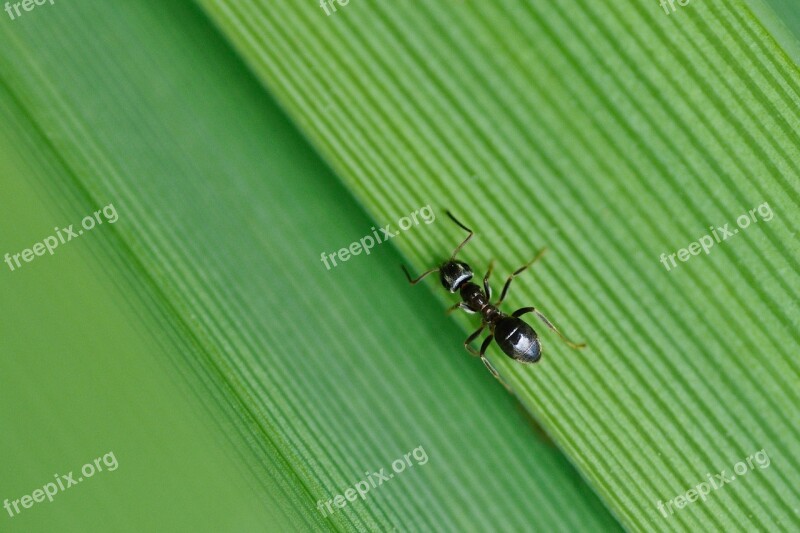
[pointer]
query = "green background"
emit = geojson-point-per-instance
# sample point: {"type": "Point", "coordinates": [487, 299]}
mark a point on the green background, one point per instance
{"type": "Point", "coordinates": [238, 382]}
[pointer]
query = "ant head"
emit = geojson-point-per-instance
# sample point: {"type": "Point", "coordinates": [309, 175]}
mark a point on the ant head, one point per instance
{"type": "Point", "coordinates": [454, 273]}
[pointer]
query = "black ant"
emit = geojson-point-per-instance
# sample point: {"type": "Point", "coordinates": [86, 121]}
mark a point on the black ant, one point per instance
{"type": "Point", "coordinates": [515, 337]}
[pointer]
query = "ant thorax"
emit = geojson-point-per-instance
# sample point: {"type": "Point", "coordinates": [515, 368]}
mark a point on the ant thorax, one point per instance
{"type": "Point", "coordinates": [478, 301]}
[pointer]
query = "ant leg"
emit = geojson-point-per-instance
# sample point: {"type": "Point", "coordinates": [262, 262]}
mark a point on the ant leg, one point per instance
{"type": "Point", "coordinates": [486, 342]}
{"type": "Point", "coordinates": [460, 305]}
{"type": "Point", "coordinates": [489, 365]}
{"type": "Point", "coordinates": [462, 226]}
{"type": "Point", "coordinates": [486, 362]}
{"type": "Point", "coordinates": [467, 343]}
{"type": "Point", "coordinates": [519, 312]}
{"type": "Point", "coordinates": [486, 288]}
{"type": "Point", "coordinates": [517, 273]}
{"type": "Point", "coordinates": [415, 281]}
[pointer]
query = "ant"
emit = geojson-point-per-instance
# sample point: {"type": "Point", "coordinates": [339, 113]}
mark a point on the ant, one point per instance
{"type": "Point", "coordinates": [515, 337]}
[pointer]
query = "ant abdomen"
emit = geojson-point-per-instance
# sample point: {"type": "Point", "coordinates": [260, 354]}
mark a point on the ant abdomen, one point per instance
{"type": "Point", "coordinates": [517, 340]}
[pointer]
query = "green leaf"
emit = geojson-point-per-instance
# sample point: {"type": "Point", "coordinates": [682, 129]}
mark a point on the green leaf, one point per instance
{"type": "Point", "coordinates": [209, 302]}
{"type": "Point", "coordinates": [611, 133]}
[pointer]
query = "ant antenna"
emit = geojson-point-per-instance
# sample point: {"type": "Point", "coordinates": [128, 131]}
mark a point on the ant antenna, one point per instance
{"type": "Point", "coordinates": [462, 226]}
{"type": "Point", "coordinates": [414, 281]}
